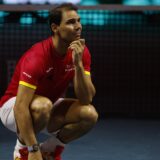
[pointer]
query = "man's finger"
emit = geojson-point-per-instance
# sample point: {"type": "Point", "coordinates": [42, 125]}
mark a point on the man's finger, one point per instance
{"type": "Point", "coordinates": [82, 41]}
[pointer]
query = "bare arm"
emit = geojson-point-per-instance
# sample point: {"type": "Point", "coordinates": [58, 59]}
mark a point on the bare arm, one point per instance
{"type": "Point", "coordinates": [83, 86]}
{"type": "Point", "coordinates": [24, 119]}
{"type": "Point", "coordinates": [23, 116]}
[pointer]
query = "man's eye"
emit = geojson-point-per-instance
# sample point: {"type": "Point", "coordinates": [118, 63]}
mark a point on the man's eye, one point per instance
{"type": "Point", "coordinates": [71, 22]}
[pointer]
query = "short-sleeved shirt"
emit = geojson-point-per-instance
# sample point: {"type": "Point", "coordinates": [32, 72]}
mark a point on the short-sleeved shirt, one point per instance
{"type": "Point", "coordinates": [41, 68]}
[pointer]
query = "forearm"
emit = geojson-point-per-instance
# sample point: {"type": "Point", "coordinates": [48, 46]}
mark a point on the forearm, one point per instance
{"type": "Point", "coordinates": [25, 124]}
{"type": "Point", "coordinates": [83, 88]}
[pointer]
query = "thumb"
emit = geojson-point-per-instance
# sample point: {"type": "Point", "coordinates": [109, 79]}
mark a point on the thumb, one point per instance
{"type": "Point", "coordinates": [82, 41]}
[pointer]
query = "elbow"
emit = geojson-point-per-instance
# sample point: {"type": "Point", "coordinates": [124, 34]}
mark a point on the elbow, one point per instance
{"type": "Point", "coordinates": [93, 91]}
{"type": "Point", "coordinates": [86, 100]}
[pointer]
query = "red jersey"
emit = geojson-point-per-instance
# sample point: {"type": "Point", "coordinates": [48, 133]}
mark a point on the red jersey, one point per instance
{"type": "Point", "coordinates": [42, 69]}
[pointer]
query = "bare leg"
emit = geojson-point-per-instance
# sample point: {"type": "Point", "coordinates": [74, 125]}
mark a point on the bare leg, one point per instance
{"type": "Point", "coordinates": [40, 109]}
{"type": "Point", "coordinates": [72, 119]}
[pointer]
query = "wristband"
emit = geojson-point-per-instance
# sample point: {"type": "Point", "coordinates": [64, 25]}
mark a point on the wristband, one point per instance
{"type": "Point", "coordinates": [33, 148]}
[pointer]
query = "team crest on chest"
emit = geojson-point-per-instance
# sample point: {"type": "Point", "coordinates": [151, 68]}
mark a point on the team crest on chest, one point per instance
{"type": "Point", "coordinates": [69, 67]}
{"type": "Point", "coordinates": [49, 69]}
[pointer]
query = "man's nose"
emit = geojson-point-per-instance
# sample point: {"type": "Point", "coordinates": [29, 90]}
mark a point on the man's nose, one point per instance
{"type": "Point", "coordinates": [78, 26]}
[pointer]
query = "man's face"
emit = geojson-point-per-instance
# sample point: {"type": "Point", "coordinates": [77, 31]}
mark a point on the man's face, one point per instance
{"type": "Point", "coordinates": [70, 27]}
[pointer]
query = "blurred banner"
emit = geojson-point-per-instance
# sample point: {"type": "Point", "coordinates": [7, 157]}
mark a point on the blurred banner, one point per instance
{"type": "Point", "coordinates": [39, 1]}
{"type": "Point", "coordinates": [84, 2]}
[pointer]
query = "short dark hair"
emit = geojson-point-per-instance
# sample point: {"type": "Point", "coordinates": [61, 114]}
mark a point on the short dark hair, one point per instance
{"type": "Point", "coordinates": [55, 15]}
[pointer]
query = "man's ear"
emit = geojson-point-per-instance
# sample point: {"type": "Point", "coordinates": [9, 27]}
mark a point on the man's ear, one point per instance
{"type": "Point", "coordinates": [54, 28]}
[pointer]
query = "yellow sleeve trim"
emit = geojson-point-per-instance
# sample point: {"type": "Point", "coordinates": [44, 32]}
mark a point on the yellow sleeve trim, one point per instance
{"type": "Point", "coordinates": [27, 85]}
{"type": "Point", "coordinates": [87, 73]}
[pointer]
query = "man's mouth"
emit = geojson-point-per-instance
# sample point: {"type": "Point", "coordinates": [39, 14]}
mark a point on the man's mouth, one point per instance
{"type": "Point", "coordinates": [78, 34]}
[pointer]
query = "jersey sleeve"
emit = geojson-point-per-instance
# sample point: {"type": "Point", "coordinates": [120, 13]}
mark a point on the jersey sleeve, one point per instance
{"type": "Point", "coordinates": [86, 61]}
{"type": "Point", "coordinates": [30, 71]}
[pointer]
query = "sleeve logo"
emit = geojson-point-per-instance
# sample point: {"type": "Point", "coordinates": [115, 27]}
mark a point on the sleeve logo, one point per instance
{"type": "Point", "coordinates": [27, 75]}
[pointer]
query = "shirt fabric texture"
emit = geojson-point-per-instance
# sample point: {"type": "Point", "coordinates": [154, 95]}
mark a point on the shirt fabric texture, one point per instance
{"type": "Point", "coordinates": [41, 68]}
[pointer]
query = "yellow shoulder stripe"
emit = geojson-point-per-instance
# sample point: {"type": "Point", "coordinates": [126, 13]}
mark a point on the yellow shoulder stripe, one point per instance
{"type": "Point", "coordinates": [27, 84]}
{"type": "Point", "coordinates": [87, 73]}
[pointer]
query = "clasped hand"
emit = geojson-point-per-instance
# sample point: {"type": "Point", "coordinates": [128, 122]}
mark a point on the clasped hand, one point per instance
{"type": "Point", "coordinates": [77, 48]}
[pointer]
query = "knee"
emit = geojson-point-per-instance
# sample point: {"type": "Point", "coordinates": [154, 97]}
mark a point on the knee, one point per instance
{"type": "Point", "coordinates": [41, 107]}
{"type": "Point", "coordinates": [89, 114]}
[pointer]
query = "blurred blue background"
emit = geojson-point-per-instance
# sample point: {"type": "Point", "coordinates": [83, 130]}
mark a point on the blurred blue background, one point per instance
{"type": "Point", "coordinates": [84, 2]}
